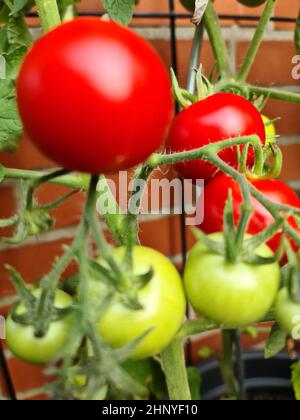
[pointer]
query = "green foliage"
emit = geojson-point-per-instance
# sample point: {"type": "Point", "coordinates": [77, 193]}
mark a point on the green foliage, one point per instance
{"type": "Point", "coordinates": [296, 379]}
{"type": "Point", "coordinates": [276, 342]}
{"type": "Point", "coordinates": [15, 40]}
{"type": "Point", "coordinates": [120, 10]}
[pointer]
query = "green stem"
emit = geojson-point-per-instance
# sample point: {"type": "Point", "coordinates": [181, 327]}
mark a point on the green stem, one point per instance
{"type": "Point", "coordinates": [258, 90]}
{"type": "Point", "coordinates": [226, 362]}
{"type": "Point", "coordinates": [78, 181]}
{"type": "Point", "coordinates": [256, 41]}
{"type": "Point", "coordinates": [173, 361]}
{"type": "Point", "coordinates": [49, 14]}
{"type": "Point", "coordinates": [194, 59]}
{"type": "Point", "coordinates": [212, 25]}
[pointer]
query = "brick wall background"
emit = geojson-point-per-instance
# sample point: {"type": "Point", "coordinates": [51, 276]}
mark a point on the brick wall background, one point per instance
{"type": "Point", "coordinates": [272, 66]}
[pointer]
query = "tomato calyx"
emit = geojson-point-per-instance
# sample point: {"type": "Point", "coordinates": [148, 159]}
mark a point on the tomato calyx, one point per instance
{"type": "Point", "coordinates": [185, 99]}
{"type": "Point", "coordinates": [268, 162]}
{"type": "Point", "coordinates": [31, 302]}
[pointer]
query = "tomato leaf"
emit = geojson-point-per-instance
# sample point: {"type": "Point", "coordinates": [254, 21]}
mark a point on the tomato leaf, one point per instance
{"type": "Point", "coordinates": [276, 341]}
{"type": "Point", "coordinates": [296, 379]}
{"type": "Point", "coordinates": [10, 124]}
{"type": "Point", "coordinates": [18, 5]}
{"type": "Point", "coordinates": [120, 10]}
{"type": "Point", "coordinates": [15, 40]}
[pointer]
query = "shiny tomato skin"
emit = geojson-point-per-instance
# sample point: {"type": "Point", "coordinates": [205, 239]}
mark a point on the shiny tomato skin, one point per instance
{"type": "Point", "coordinates": [215, 196]}
{"type": "Point", "coordinates": [163, 302]}
{"type": "Point", "coordinates": [24, 345]}
{"type": "Point", "coordinates": [94, 96]}
{"type": "Point", "coordinates": [216, 118]}
{"type": "Point", "coordinates": [231, 295]}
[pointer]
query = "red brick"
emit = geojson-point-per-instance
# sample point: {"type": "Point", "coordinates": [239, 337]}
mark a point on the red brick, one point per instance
{"type": "Point", "coordinates": [25, 376]}
{"type": "Point", "coordinates": [32, 261]}
{"type": "Point", "coordinates": [289, 9]}
{"type": "Point", "coordinates": [267, 68]}
{"type": "Point", "coordinates": [27, 157]}
{"type": "Point", "coordinates": [291, 169]}
{"type": "Point", "coordinates": [289, 113]}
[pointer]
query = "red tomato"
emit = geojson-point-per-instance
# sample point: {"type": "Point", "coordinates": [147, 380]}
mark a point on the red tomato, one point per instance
{"type": "Point", "coordinates": [94, 97]}
{"type": "Point", "coordinates": [218, 117]}
{"type": "Point", "coordinates": [215, 196]}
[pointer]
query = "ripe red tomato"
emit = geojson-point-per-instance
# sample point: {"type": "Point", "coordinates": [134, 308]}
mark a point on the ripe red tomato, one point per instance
{"type": "Point", "coordinates": [94, 97]}
{"type": "Point", "coordinates": [218, 117]}
{"type": "Point", "coordinates": [216, 194]}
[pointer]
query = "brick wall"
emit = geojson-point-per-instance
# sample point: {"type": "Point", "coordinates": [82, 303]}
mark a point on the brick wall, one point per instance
{"type": "Point", "coordinates": [273, 65]}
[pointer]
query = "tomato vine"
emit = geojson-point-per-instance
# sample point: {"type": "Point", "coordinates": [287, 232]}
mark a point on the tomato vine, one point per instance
{"type": "Point", "coordinates": [95, 359]}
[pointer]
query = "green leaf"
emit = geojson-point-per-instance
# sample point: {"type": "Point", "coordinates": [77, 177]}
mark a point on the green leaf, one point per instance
{"type": "Point", "coordinates": [194, 379]}
{"type": "Point", "coordinates": [296, 379]}
{"type": "Point", "coordinates": [149, 373]}
{"type": "Point", "coordinates": [10, 125]}
{"type": "Point", "coordinates": [21, 6]}
{"type": "Point", "coordinates": [120, 10]}
{"type": "Point", "coordinates": [297, 35]}
{"type": "Point", "coordinates": [276, 341]}
{"type": "Point", "coordinates": [15, 40]}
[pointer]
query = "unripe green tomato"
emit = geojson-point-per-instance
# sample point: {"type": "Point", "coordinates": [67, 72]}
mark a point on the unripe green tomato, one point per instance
{"type": "Point", "coordinates": [287, 314]}
{"type": "Point", "coordinates": [230, 294]}
{"type": "Point", "coordinates": [252, 3]}
{"type": "Point", "coordinates": [23, 343]}
{"type": "Point", "coordinates": [162, 299]}
{"type": "Point", "coordinates": [188, 4]}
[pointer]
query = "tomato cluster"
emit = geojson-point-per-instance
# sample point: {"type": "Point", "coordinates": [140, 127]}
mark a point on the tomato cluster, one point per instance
{"type": "Point", "coordinates": [108, 98]}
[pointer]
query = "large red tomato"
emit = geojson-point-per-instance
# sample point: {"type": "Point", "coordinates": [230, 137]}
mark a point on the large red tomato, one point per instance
{"type": "Point", "coordinates": [94, 97]}
{"type": "Point", "coordinates": [215, 196]}
{"type": "Point", "coordinates": [218, 117]}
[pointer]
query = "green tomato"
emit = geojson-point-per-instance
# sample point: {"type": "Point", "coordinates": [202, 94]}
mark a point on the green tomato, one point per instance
{"type": "Point", "coordinates": [163, 303]}
{"type": "Point", "coordinates": [231, 295]}
{"type": "Point", "coordinates": [23, 343]}
{"type": "Point", "coordinates": [270, 130]}
{"type": "Point", "coordinates": [287, 314]}
{"type": "Point", "coordinates": [188, 4]}
{"type": "Point", "coordinates": [252, 3]}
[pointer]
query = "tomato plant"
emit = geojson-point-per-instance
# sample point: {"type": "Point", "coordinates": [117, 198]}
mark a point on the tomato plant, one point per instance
{"type": "Point", "coordinates": [94, 97]}
{"type": "Point", "coordinates": [163, 306]}
{"type": "Point", "coordinates": [272, 189]}
{"type": "Point", "coordinates": [26, 346]}
{"type": "Point", "coordinates": [218, 117]}
{"type": "Point", "coordinates": [287, 313]}
{"type": "Point", "coordinates": [232, 295]}
{"type": "Point", "coordinates": [113, 92]}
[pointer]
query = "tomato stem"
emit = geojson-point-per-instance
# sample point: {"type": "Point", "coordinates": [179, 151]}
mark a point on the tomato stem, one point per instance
{"type": "Point", "coordinates": [173, 361]}
{"type": "Point", "coordinates": [256, 41]}
{"type": "Point", "coordinates": [49, 14]}
{"type": "Point", "coordinates": [269, 92]}
{"type": "Point", "coordinates": [226, 363]}
{"type": "Point", "coordinates": [212, 25]}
